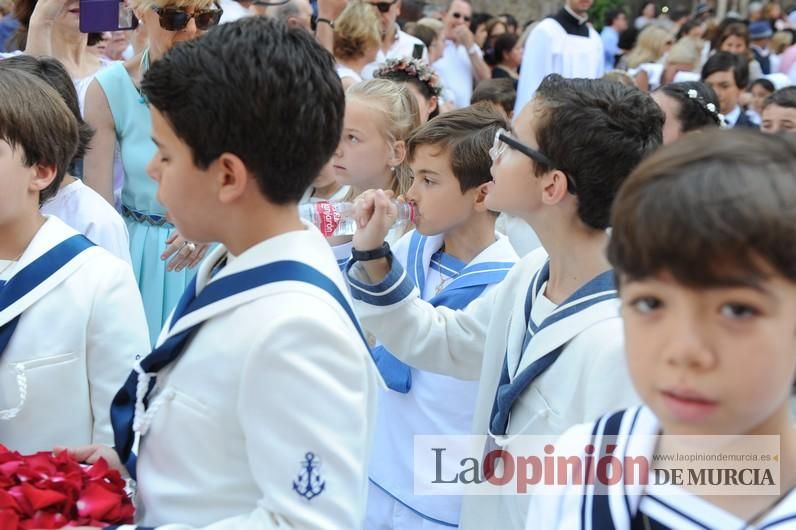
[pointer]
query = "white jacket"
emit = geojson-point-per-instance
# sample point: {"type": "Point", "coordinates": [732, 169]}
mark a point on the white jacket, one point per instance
{"type": "Point", "coordinates": [72, 349]}
{"type": "Point", "coordinates": [589, 379]}
{"type": "Point", "coordinates": [273, 374]}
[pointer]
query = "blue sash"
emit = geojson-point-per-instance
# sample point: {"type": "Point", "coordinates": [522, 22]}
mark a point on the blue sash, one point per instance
{"type": "Point", "coordinates": [466, 287]}
{"type": "Point", "coordinates": [33, 275]}
{"type": "Point", "coordinates": [123, 406]}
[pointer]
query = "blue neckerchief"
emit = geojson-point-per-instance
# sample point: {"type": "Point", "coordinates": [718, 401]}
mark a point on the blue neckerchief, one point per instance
{"type": "Point", "coordinates": [467, 286]}
{"type": "Point", "coordinates": [27, 279]}
{"type": "Point", "coordinates": [123, 406]}
{"type": "Point", "coordinates": [509, 391]}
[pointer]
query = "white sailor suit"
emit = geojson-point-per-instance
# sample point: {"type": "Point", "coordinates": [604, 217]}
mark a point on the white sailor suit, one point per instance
{"type": "Point", "coordinates": [420, 402]}
{"type": "Point", "coordinates": [634, 506]}
{"type": "Point", "coordinates": [71, 325]}
{"type": "Point", "coordinates": [485, 342]}
{"type": "Point", "coordinates": [263, 419]}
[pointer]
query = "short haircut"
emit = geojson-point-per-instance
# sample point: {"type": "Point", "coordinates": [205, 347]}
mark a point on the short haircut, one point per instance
{"type": "Point", "coordinates": [723, 61]}
{"type": "Point", "coordinates": [733, 29]}
{"type": "Point", "coordinates": [717, 210]}
{"type": "Point", "coordinates": [503, 45]}
{"type": "Point", "coordinates": [596, 132]}
{"type": "Point", "coordinates": [613, 14]}
{"type": "Point", "coordinates": [466, 135]}
{"type": "Point", "coordinates": [35, 119]}
{"type": "Point", "coordinates": [52, 72]}
{"type": "Point", "coordinates": [257, 89]}
{"type": "Point", "coordinates": [356, 30]}
{"type": "Point", "coordinates": [784, 97]}
{"type": "Point", "coordinates": [764, 83]}
{"type": "Point", "coordinates": [695, 112]}
{"type": "Point", "coordinates": [497, 91]}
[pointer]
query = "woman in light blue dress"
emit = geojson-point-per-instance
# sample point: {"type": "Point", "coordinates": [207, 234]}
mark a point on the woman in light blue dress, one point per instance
{"type": "Point", "coordinates": [120, 115]}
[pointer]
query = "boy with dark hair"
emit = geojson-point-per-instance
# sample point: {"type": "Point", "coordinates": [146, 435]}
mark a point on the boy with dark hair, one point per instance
{"type": "Point", "coordinates": [499, 92]}
{"type": "Point", "coordinates": [728, 74]}
{"type": "Point", "coordinates": [71, 318]}
{"type": "Point", "coordinates": [75, 203]}
{"type": "Point", "coordinates": [453, 257]}
{"type": "Point", "coordinates": [255, 408]}
{"type": "Point", "coordinates": [546, 344]}
{"type": "Point", "coordinates": [779, 112]}
{"type": "Point", "coordinates": [702, 245]}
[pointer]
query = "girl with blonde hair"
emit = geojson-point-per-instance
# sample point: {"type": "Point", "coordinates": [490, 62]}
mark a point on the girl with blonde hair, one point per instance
{"type": "Point", "coordinates": [357, 37]}
{"type": "Point", "coordinates": [119, 113]}
{"type": "Point", "coordinates": [644, 62]}
{"type": "Point", "coordinates": [379, 117]}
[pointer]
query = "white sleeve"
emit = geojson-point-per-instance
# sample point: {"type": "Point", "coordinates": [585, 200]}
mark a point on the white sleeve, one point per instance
{"type": "Point", "coordinates": [304, 392]}
{"type": "Point", "coordinates": [112, 235]}
{"type": "Point", "coordinates": [537, 62]}
{"type": "Point", "coordinates": [117, 333]}
{"type": "Point", "coordinates": [436, 339]}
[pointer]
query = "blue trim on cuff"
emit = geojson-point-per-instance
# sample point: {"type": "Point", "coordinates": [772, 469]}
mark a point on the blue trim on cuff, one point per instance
{"type": "Point", "coordinates": [395, 287]}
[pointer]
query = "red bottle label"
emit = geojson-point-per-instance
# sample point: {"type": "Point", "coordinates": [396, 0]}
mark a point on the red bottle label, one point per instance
{"type": "Point", "coordinates": [329, 218]}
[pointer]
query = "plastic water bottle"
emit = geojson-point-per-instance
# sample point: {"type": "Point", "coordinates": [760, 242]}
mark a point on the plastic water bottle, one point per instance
{"type": "Point", "coordinates": [337, 218]}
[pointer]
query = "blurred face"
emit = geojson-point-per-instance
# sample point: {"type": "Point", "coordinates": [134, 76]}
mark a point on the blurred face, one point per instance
{"type": "Point", "coordinates": [723, 83]}
{"type": "Point", "coordinates": [672, 127]}
{"type": "Point", "coordinates": [435, 50]}
{"type": "Point", "coordinates": [362, 159]}
{"type": "Point", "coordinates": [19, 186]}
{"type": "Point", "coordinates": [712, 361]}
{"type": "Point", "coordinates": [388, 18]}
{"type": "Point", "coordinates": [580, 7]}
{"type": "Point", "coordinates": [69, 18]}
{"type": "Point", "coordinates": [620, 23]}
{"type": "Point", "coordinates": [304, 18]}
{"type": "Point", "coordinates": [778, 119]}
{"type": "Point", "coordinates": [459, 14]}
{"type": "Point", "coordinates": [118, 43]}
{"type": "Point", "coordinates": [498, 29]}
{"type": "Point", "coordinates": [161, 40]}
{"type": "Point", "coordinates": [185, 191]}
{"type": "Point", "coordinates": [425, 104]}
{"type": "Point", "coordinates": [481, 35]}
{"type": "Point", "coordinates": [514, 59]}
{"type": "Point", "coordinates": [515, 188]}
{"type": "Point", "coordinates": [440, 205]}
{"type": "Point", "coordinates": [649, 11]}
{"type": "Point", "coordinates": [733, 44]}
{"type": "Point", "coordinates": [758, 95]}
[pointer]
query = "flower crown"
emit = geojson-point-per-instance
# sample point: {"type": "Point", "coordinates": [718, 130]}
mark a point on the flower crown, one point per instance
{"type": "Point", "coordinates": [710, 107]}
{"type": "Point", "coordinates": [413, 68]}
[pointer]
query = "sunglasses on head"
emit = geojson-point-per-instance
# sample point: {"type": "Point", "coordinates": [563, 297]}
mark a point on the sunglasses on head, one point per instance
{"type": "Point", "coordinates": [459, 15]}
{"type": "Point", "coordinates": [176, 19]}
{"type": "Point", "coordinates": [383, 7]}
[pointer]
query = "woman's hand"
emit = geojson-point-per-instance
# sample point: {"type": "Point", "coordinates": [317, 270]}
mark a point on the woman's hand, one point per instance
{"type": "Point", "coordinates": [186, 253]}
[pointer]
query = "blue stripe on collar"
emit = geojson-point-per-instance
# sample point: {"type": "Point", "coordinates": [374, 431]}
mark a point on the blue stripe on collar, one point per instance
{"type": "Point", "coordinates": [414, 260]}
{"type": "Point", "coordinates": [446, 264]}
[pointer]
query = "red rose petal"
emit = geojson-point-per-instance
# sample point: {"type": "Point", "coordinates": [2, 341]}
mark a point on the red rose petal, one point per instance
{"type": "Point", "coordinates": [95, 501]}
{"type": "Point", "coordinates": [9, 520]}
{"type": "Point", "coordinates": [40, 499]}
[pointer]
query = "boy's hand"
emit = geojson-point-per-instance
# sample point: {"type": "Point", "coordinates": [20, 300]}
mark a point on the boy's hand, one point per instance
{"type": "Point", "coordinates": [89, 454]}
{"type": "Point", "coordinates": [375, 214]}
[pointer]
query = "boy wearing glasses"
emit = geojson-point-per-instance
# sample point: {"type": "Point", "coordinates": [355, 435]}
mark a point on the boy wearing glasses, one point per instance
{"type": "Point", "coordinates": [254, 411]}
{"type": "Point", "coordinates": [453, 257]}
{"type": "Point", "coordinates": [395, 43]}
{"type": "Point", "coordinates": [462, 63]}
{"type": "Point", "coordinates": [546, 344]}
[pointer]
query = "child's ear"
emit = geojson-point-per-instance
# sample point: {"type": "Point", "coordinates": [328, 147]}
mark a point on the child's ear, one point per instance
{"type": "Point", "coordinates": [42, 177]}
{"type": "Point", "coordinates": [479, 205]}
{"type": "Point", "coordinates": [398, 153]}
{"type": "Point", "coordinates": [554, 186]}
{"type": "Point", "coordinates": [232, 178]}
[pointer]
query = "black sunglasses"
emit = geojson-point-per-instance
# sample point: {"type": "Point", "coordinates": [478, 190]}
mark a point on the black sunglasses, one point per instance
{"type": "Point", "coordinates": [383, 7]}
{"type": "Point", "coordinates": [459, 15]}
{"type": "Point", "coordinates": [176, 19]}
{"type": "Point", "coordinates": [503, 137]}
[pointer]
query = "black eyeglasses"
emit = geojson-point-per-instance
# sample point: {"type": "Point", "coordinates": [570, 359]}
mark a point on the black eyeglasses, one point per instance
{"type": "Point", "coordinates": [176, 19]}
{"type": "Point", "coordinates": [383, 7]}
{"type": "Point", "coordinates": [459, 15]}
{"type": "Point", "coordinates": [503, 141]}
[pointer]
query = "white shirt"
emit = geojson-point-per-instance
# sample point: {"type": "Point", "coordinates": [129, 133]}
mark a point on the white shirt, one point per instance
{"type": "Point", "coordinates": [86, 211]}
{"type": "Point", "coordinates": [731, 118]}
{"type": "Point", "coordinates": [344, 72]}
{"type": "Point", "coordinates": [232, 11]}
{"type": "Point", "coordinates": [403, 46]}
{"type": "Point", "coordinates": [456, 71]}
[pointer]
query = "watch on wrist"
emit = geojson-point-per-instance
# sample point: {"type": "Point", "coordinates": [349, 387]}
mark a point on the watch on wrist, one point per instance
{"type": "Point", "coordinates": [320, 20]}
{"type": "Point", "coordinates": [369, 255]}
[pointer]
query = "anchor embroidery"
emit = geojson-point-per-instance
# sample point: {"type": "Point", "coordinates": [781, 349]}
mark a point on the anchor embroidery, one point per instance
{"type": "Point", "coordinates": [309, 483]}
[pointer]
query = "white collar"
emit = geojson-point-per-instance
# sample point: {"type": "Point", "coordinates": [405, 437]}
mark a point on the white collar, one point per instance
{"type": "Point", "coordinates": [581, 19]}
{"type": "Point", "coordinates": [733, 116]}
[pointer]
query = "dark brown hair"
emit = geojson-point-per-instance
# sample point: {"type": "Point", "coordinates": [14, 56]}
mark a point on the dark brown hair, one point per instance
{"type": "Point", "coordinates": [716, 210]}
{"type": "Point", "coordinates": [596, 132]}
{"type": "Point", "coordinates": [466, 135]}
{"type": "Point", "coordinates": [34, 118]}
{"type": "Point", "coordinates": [784, 97]}
{"type": "Point", "coordinates": [497, 91]}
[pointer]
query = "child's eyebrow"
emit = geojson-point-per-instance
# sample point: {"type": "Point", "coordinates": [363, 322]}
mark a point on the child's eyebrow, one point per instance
{"type": "Point", "coordinates": [154, 140]}
{"type": "Point", "coordinates": [427, 171]}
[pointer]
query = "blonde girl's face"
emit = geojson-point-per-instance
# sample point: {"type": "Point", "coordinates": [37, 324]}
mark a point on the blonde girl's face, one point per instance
{"type": "Point", "coordinates": [161, 40]}
{"type": "Point", "coordinates": [363, 158]}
